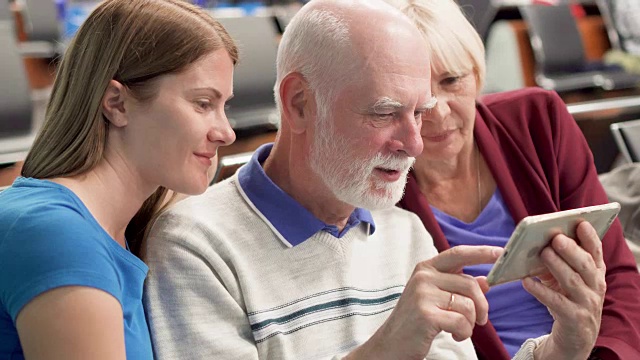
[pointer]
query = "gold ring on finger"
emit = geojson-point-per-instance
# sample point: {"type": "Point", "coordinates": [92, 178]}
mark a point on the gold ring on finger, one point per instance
{"type": "Point", "coordinates": [452, 299]}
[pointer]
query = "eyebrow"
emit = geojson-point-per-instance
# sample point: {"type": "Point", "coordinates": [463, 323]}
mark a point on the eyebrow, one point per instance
{"type": "Point", "coordinates": [215, 92]}
{"type": "Point", "coordinates": [386, 103]}
{"type": "Point", "coordinates": [433, 101]}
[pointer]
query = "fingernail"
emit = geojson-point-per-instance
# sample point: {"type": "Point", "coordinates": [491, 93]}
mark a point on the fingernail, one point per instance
{"type": "Point", "coordinates": [560, 242]}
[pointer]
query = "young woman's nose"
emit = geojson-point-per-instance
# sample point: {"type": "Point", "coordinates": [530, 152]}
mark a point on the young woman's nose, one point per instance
{"type": "Point", "coordinates": [221, 131]}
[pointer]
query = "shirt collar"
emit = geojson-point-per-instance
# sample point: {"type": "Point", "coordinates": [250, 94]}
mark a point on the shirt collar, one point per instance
{"type": "Point", "coordinates": [285, 215]}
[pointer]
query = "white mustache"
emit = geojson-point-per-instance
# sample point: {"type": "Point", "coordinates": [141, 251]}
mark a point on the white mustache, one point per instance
{"type": "Point", "coordinates": [401, 164]}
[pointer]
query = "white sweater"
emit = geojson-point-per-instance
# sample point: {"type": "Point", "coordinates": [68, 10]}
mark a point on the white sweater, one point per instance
{"type": "Point", "coordinates": [223, 285]}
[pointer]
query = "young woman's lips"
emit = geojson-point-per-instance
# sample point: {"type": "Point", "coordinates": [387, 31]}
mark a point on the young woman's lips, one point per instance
{"type": "Point", "coordinates": [204, 158]}
{"type": "Point", "coordinates": [388, 175]}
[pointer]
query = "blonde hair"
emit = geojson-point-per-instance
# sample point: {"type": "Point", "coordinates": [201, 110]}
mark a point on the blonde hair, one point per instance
{"type": "Point", "coordinates": [133, 42]}
{"type": "Point", "coordinates": [454, 43]}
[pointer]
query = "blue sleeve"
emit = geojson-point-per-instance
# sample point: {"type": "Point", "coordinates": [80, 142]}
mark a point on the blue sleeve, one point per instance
{"type": "Point", "coordinates": [50, 248]}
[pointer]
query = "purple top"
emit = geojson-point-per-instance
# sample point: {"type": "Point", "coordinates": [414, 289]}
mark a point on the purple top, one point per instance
{"type": "Point", "coordinates": [515, 314]}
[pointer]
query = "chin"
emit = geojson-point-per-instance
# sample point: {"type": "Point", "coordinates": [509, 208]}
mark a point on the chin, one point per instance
{"type": "Point", "coordinates": [193, 186]}
{"type": "Point", "coordinates": [440, 151]}
{"type": "Point", "coordinates": [380, 199]}
{"type": "Point", "coordinates": [198, 189]}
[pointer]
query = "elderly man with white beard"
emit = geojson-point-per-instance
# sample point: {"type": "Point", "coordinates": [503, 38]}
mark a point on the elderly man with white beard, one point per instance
{"type": "Point", "coordinates": [302, 254]}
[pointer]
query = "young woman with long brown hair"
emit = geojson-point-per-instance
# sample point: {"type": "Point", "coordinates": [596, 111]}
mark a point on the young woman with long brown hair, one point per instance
{"type": "Point", "coordinates": [137, 108]}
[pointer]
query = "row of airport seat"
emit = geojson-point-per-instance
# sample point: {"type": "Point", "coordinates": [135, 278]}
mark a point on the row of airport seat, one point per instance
{"type": "Point", "coordinates": [16, 111]}
{"type": "Point", "coordinates": [627, 137]}
{"type": "Point", "coordinates": [560, 61]}
{"type": "Point", "coordinates": [253, 105]}
{"type": "Point", "coordinates": [626, 134]}
{"type": "Point", "coordinates": [42, 30]}
{"type": "Point", "coordinates": [560, 55]}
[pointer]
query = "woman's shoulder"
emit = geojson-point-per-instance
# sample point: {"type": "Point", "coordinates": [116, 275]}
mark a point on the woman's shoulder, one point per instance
{"type": "Point", "coordinates": [518, 98]}
{"type": "Point", "coordinates": [39, 218]}
{"type": "Point", "coordinates": [523, 112]}
{"type": "Point", "coordinates": [48, 240]}
{"type": "Point", "coordinates": [32, 204]}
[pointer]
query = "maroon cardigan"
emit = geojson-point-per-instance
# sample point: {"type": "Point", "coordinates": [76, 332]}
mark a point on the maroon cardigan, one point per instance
{"type": "Point", "coordinates": [542, 163]}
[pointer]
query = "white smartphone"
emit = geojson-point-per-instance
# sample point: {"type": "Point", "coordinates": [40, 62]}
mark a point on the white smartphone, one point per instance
{"type": "Point", "coordinates": [521, 256]}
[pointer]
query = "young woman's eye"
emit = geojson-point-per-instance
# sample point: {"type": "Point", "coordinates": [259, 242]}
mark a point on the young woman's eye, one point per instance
{"type": "Point", "coordinates": [202, 104]}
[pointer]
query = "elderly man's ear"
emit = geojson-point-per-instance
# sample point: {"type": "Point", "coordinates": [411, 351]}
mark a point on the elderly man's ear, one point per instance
{"type": "Point", "coordinates": [113, 104]}
{"type": "Point", "coordinates": [298, 102]}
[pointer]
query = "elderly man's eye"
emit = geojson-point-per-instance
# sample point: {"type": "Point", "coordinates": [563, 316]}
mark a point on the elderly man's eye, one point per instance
{"type": "Point", "coordinates": [383, 116]}
{"type": "Point", "coordinates": [382, 119]}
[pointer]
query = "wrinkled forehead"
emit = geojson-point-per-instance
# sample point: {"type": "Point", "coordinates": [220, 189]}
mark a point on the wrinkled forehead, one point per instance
{"type": "Point", "coordinates": [388, 40]}
{"type": "Point", "coordinates": [386, 56]}
{"type": "Point", "coordinates": [400, 70]}
{"type": "Point", "coordinates": [404, 82]}
{"type": "Point", "coordinates": [391, 62]}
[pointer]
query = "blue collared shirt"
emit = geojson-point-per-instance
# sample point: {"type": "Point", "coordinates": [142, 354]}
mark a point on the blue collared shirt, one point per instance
{"type": "Point", "coordinates": [294, 222]}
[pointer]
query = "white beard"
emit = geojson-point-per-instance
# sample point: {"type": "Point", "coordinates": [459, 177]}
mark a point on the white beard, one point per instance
{"type": "Point", "coordinates": [351, 179]}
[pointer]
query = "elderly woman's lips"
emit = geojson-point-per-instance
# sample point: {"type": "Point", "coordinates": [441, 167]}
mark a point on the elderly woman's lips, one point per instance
{"type": "Point", "coordinates": [439, 137]}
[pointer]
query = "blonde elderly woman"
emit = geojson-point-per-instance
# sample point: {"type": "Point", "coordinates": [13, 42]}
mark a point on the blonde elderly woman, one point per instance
{"type": "Point", "coordinates": [490, 161]}
{"type": "Point", "coordinates": [137, 106]}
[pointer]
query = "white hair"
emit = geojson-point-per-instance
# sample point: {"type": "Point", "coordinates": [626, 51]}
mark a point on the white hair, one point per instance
{"type": "Point", "coordinates": [317, 44]}
{"type": "Point", "coordinates": [454, 43]}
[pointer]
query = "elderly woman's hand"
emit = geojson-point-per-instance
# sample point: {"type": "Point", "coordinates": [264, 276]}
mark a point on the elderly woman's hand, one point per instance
{"type": "Point", "coordinates": [573, 290]}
